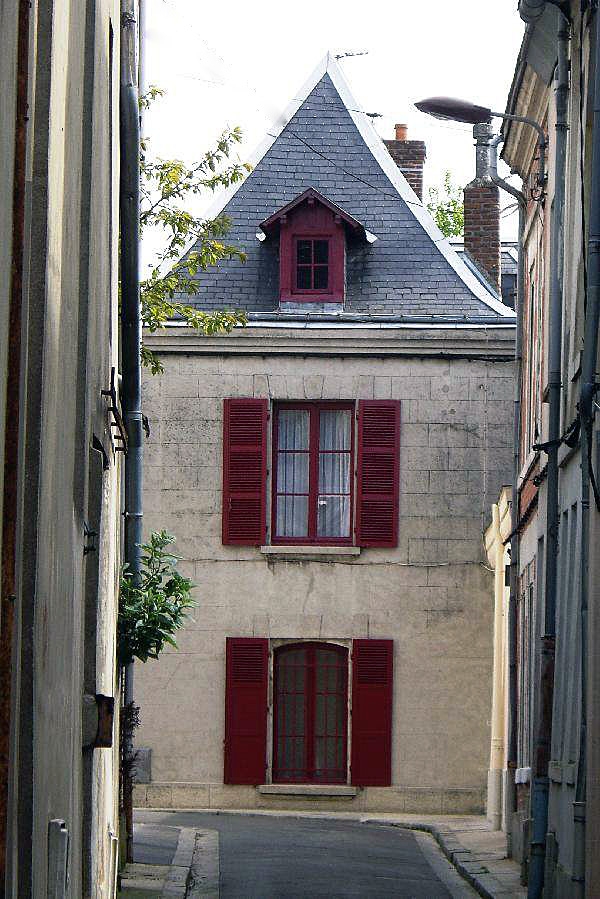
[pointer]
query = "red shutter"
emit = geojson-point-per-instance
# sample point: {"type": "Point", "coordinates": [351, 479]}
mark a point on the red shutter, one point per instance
{"type": "Point", "coordinates": [244, 471]}
{"type": "Point", "coordinates": [378, 472]}
{"type": "Point", "coordinates": [246, 710]}
{"type": "Point", "coordinates": [372, 677]}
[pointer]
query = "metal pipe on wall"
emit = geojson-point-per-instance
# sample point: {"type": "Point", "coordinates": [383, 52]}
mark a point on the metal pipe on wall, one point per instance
{"type": "Point", "coordinates": [543, 731]}
{"type": "Point", "coordinates": [131, 329]}
{"type": "Point", "coordinates": [13, 415]}
{"type": "Point", "coordinates": [587, 411]}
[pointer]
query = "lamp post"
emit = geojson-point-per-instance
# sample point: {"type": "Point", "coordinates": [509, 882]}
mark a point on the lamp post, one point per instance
{"type": "Point", "coordinates": [455, 110]}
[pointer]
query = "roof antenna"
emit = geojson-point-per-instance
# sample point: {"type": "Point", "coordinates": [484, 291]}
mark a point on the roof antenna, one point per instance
{"type": "Point", "coordinates": [351, 53]}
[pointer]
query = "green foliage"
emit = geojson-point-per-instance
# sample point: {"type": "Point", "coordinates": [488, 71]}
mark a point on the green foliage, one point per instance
{"type": "Point", "coordinates": [446, 208]}
{"type": "Point", "coordinates": [166, 185]}
{"type": "Point", "coordinates": [151, 611]}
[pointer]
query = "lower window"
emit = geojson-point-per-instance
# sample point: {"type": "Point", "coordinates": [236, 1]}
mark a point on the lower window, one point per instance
{"type": "Point", "coordinates": [311, 717]}
{"type": "Point", "coordinates": [311, 728]}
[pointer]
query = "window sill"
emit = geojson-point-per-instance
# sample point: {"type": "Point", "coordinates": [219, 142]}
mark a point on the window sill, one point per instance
{"type": "Point", "coordinates": [306, 553]}
{"type": "Point", "coordinates": [316, 791]}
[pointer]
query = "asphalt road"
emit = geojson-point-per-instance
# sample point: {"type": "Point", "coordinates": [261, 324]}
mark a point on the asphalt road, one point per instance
{"type": "Point", "coordinates": [265, 857]}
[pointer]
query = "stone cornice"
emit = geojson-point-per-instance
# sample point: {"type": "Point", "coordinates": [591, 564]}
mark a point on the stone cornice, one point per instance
{"type": "Point", "coordinates": [490, 342]}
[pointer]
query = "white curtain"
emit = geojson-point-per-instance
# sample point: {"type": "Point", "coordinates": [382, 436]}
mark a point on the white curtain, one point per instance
{"type": "Point", "coordinates": [333, 501]}
{"type": "Point", "coordinates": [292, 473]}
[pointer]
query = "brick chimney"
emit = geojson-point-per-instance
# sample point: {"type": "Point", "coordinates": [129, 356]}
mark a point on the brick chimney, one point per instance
{"type": "Point", "coordinates": [482, 211]}
{"type": "Point", "coordinates": [409, 156]}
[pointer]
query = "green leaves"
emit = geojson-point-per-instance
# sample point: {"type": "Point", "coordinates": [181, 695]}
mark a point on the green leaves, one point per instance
{"type": "Point", "coordinates": [166, 185]}
{"type": "Point", "coordinates": [446, 208]}
{"type": "Point", "coordinates": [151, 611]}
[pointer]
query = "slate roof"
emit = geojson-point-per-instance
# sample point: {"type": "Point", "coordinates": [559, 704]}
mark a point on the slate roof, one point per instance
{"type": "Point", "coordinates": [327, 144]}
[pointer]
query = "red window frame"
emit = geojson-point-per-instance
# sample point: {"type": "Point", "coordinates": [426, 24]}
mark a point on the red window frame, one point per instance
{"type": "Point", "coordinates": [310, 693]}
{"type": "Point", "coordinates": [313, 487]}
{"type": "Point", "coordinates": [322, 291]}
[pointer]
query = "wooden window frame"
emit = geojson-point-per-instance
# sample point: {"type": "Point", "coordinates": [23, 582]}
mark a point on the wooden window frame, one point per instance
{"type": "Point", "coordinates": [314, 409]}
{"type": "Point", "coordinates": [310, 693]}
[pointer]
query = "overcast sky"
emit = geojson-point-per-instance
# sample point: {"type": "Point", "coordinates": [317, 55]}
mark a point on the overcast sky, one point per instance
{"type": "Point", "coordinates": [240, 63]}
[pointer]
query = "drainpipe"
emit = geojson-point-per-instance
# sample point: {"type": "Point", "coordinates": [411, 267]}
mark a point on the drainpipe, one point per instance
{"type": "Point", "coordinates": [497, 728]}
{"type": "Point", "coordinates": [131, 332]}
{"type": "Point", "coordinates": [543, 731]}
{"type": "Point", "coordinates": [587, 411]}
{"type": "Point", "coordinates": [510, 802]}
{"type": "Point", "coordinates": [13, 412]}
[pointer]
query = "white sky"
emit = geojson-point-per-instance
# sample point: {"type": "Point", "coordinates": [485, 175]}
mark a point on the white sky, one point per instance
{"type": "Point", "coordinates": [240, 63]}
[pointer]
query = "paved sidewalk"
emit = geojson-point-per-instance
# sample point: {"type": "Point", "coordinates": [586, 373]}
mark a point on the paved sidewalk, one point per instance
{"type": "Point", "coordinates": [476, 851]}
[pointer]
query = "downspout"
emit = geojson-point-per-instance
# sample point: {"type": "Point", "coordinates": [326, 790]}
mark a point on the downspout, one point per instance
{"type": "Point", "coordinates": [8, 559]}
{"type": "Point", "coordinates": [131, 332]}
{"type": "Point", "coordinates": [514, 506]}
{"type": "Point", "coordinates": [497, 725]}
{"type": "Point", "coordinates": [543, 738]}
{"type": "Point", "coordinates": [589, 388]}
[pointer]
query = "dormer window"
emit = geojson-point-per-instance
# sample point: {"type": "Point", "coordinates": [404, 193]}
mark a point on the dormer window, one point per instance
{"type": "Point", "coordinates": [312, 248]}
{"type": "Point", "coordinates": [312, 264]}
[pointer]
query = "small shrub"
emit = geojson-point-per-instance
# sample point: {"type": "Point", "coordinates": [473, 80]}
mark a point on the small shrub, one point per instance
{"type": "Point", "coordinates": [151, 611]}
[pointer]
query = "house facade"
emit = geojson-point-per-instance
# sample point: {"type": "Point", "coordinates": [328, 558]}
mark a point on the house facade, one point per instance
{"type": "Point", "coordinates": [548, 669]}
{"type": "Point", "coordinates": [327, 471]}
{"type": "Point", "coordinates": [60, 488]}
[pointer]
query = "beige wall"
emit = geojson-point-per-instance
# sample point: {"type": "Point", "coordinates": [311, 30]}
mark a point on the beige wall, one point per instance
{"type": "Point", "coordinates": [433, 595]}
{"type": "Point", "coordinates": [66, 601]}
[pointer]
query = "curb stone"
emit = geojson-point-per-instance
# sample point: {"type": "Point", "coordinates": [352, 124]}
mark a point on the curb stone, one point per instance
{"type": "Point", "coordinates": [204, 874]}
{"type": "Point", "coordinates": [177, 883]}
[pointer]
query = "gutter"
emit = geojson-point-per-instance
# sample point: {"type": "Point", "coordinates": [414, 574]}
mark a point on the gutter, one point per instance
{"type": "Point", "coordinates": [131, 328]}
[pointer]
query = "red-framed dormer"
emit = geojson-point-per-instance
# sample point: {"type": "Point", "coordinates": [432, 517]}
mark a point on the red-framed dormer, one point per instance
{"type": "Point", "coordinates": [312, 248]}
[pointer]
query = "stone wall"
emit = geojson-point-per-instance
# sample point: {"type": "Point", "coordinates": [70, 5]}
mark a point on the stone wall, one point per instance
{"type": "Point", "coordinates": [433, 595]}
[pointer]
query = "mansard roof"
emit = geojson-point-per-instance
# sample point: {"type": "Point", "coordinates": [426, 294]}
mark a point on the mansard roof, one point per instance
{"type": "Point", "coordinates": [325, 143]}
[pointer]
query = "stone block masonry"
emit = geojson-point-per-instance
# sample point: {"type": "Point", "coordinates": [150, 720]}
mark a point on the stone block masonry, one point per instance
{"type": "Point", "coordinates": [431, 594]}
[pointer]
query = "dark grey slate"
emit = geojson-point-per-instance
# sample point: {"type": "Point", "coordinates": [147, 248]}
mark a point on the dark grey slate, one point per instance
{"type": "Point", "coordinates": [402, 273]}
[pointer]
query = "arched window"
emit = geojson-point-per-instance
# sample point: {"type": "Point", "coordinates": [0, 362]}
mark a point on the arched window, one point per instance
{"type": "Point", "coordinates": [311, 714]}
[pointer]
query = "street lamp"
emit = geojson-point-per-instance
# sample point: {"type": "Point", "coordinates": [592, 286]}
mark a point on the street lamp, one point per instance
{"type": "Point", "coordinates": [453, 109]}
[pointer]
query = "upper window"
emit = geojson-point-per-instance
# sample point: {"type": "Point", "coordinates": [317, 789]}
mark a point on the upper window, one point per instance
{"type": "Point", "coordinates": [313, 465]}
{"type": "Point", "coordinates": [313, 473]}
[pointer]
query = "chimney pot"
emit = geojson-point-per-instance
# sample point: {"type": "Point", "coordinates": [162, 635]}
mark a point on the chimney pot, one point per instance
{"type": "Point", "coordinates": [409, 156]}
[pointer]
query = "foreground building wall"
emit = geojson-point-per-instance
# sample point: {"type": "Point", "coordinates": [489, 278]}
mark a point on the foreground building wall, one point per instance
{"type": "Point", "coordinates": [571, 856]}
{"type": "Point", "coordinates": [62, 803]}
{"type": "Point", "coordinates": [432, 595]}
